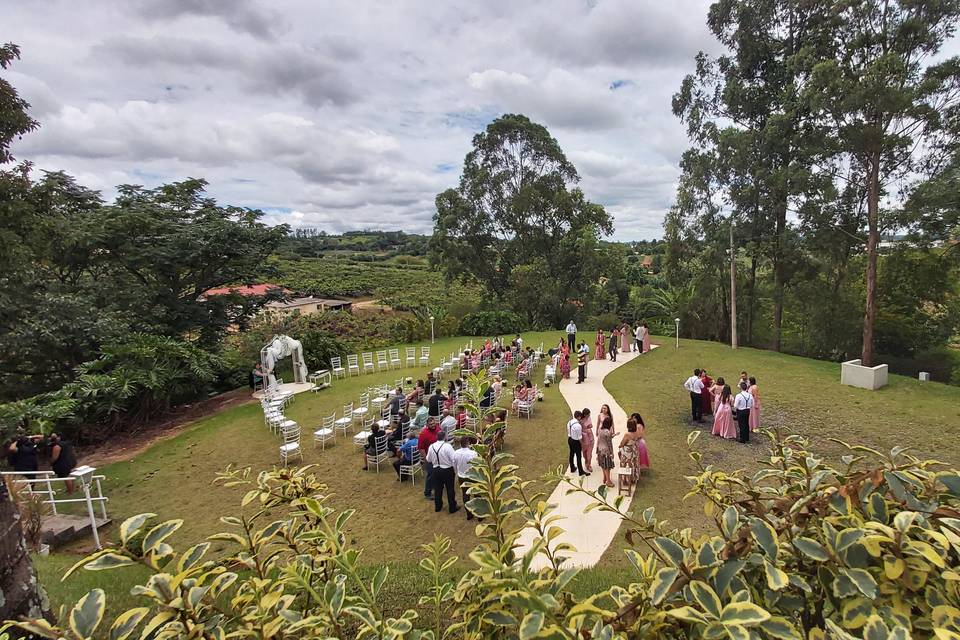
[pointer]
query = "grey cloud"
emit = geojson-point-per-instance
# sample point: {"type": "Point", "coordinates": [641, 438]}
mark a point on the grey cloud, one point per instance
{"type": "Point", "coordinates": [241, 15]}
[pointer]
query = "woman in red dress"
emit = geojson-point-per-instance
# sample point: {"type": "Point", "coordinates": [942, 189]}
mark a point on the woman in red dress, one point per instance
{"type": "Point", "coordinates": [706, 396]}
{"type": "Point", "coordinates": [600, 346]}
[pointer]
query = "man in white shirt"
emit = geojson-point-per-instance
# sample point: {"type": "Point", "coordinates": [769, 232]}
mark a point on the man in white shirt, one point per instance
{"type": "Point", "coordinates": [449, 422]}
{"type": "Point", "coordinates": [695, 386]}
{"type": "Point", "coordinates": [638, 338]}
{"type": "Point", "coordinates": [461, 463]}
{"type": "Point", "coordinates": [440, 455]}
{"type": "Point", "coordinates": [742, 405]}
{"type": "Point", "coordinates": [571, 334]}
{"type": "Point", "coordinates": [574, 442]}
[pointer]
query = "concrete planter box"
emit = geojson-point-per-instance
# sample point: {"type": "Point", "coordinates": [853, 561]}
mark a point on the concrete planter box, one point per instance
{"type": "Point", "coordinates": [854, 374]}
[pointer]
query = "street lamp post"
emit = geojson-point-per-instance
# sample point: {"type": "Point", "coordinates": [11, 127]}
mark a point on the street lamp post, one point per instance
{"type": "Point", "coordinates": [84, 475]}
{"type": "Point", "coordinates": [431, 330]}
{"type": "Point", "coordinates": [677, 320]}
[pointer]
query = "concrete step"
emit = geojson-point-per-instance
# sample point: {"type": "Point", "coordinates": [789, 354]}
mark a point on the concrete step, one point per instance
{"type": "Point", "coordinates": [62, 529]}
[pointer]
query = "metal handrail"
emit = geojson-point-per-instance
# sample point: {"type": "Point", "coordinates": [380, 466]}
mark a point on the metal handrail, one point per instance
{"type": "Point", "coordinates": [31, 478]}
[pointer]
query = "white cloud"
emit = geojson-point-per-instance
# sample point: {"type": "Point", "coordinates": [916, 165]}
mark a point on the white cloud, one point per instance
{"type": "Point", "coordinates": [344, 116]}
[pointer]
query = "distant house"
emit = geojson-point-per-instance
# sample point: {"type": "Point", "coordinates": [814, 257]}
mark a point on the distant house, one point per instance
{"type": "Point", "coordinates": [646, 263]}
{"type": "Point", "coordinates": [247, 291]}
{"type": "Point", "coordinates": [307, 305]}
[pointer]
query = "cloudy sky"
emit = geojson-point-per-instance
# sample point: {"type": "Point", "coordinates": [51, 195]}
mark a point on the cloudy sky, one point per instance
{"type": "Point", "coordinates": [352, 115]}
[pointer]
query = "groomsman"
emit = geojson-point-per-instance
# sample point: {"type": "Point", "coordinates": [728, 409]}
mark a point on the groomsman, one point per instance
{"type": "Point", "coordinates": [638, 338]}
{"type": "Point", "coordinates": [694, 385]}
{"type": "Point", "coordinates": [742, 405]}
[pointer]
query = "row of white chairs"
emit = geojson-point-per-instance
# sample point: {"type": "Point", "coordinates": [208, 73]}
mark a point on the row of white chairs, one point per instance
{"type": "Point", "coordinates": [385, 359]}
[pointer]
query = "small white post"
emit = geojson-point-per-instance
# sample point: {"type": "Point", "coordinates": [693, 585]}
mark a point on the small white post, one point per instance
{"type": "Point", "coordinates": [103, 503]}
{"type": "Point", "coordinates": [677, 320]}
{"type": "Point", "coordinates": [431, 330]}
{"type": "Point", "coordinates": [85, 474]}
{"type": "Point", "coordinates": [924, 376]}
{"type": "Point", "coordinates": [53, 497]}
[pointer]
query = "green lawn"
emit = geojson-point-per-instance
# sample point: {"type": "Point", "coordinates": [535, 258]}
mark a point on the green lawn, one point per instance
{"type": "Point", "coordinates": [174, 478]}
{"type": "Point", "coordinates": [799, 395]}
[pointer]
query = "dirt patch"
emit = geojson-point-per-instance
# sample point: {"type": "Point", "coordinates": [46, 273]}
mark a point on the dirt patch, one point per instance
{"type": "Point", "coordinates": [128, 445]}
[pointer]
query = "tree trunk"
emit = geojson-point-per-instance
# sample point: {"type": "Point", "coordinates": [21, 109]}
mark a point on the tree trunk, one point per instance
{"type": "Point", "coordinates": [778, 274]}
{"type": "Point", "coordinates": [20, 593]}
{"type": "Point", "coordinates": [873, 242]}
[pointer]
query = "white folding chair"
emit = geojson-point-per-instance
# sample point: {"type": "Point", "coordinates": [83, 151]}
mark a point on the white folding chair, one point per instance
{"type": "Point", "coordinates": [343, 423]}
{"type": "Point", "coordinates": [411, 356]}
{"type": "Point", "coordinates": [424, 355]}
{"type": "Point", "coordinates": [336, 366]}
{"type": "Point", "coordinates": [394, 358]}
{"type": "Point", "coordinates": [382, 362]}
{"type": "Point", "coordinates": [367, 362]}
{"type": "Point", "coordinates": [326, 432]}
{"type": "Point", "coordinates": [381, 453]}
{"type": "Point", "coordinates": [353, 364]}
{"type": "Point", "coordinates": [360, 411]}
{"type": "Point", "coordinates": [413, 468]}
{"type": "Point", "coordinates": [360, 438]}
{"type": "Point", "coordinates": [291, 444]}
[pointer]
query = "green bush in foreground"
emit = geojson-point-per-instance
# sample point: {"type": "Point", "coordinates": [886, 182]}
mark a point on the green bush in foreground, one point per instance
{"type": "Point", "coordinates": [802, 550]}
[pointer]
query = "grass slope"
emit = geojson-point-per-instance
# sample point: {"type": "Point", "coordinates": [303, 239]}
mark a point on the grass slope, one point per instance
{"type": "Point", "coordinates": [799, 395]}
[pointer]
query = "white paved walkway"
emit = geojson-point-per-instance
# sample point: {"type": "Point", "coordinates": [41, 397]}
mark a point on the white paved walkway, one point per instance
{"type": "Point", "coordinates": [589, 533]}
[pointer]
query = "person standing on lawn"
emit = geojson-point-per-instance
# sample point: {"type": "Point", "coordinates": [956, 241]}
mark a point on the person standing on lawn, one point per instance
{"type": "Point", "coordinates": [742, 406]}
{"type": "Point", "coordinates": [614, 343]}
{"type": "Point", "coordinates": [582, 364]}
{"type": "Point", "coordinates": [440, 455]}
{"type": "Point", "coordinates": [427, 436]}
{"type": "Point", "coordinates": [755, 411]}
{"type": "Point", "coordinates": [587, 438]}
{"type": "Point", "coordinates": [575, 444]}
{"type": "Point", "coordinates": [695, 386]}
{"type": "Point", "coordinates": [461, 462]}
{"type": "Point", "coordinates": [571, 334]}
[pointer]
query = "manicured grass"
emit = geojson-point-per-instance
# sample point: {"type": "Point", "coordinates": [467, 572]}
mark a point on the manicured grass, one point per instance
{"type": "Point", "coordinates": [799, 395]}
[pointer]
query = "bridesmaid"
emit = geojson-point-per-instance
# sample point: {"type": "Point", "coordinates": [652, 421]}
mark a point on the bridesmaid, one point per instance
{"type": "Point", "coordinates": [587, 440]}
{"type": "Point", "coordinates": [603, 415]}
{"type": "Point", "coordinates": [605, 435]}
{"type": "Point", "coordinates": [723, 424]}
{"type": "Point", "coordinates": [706, 396]}
{"type": "Point", "coordinates": [646, 337]}
{"type": "Point", "coordinates": [643, 456]}
{"type": "Point", "coordinates": [626, 337]}
{"type": "Point", "coordinates": [600, 346]}
{"type": "Point", "coordinates": [755, 411]}
{"type": "Point", "coordinates": [716, 390]}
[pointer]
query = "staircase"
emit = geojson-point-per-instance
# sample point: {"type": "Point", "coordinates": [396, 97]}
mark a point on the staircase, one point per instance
{"type": "Point", "coordinates": [62, 529]}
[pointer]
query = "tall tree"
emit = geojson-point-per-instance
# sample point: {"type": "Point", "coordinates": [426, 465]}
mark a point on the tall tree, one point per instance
{"type": "Point", "coordinates": [880, 97]}
{"type": "Point", "coordinates": [517, 204]}
{"type": "Point", "coordinates": [20, 593]}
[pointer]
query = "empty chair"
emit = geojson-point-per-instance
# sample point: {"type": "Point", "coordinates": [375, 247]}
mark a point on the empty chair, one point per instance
{"type": "Point", "coordinates": [424, 355]}
{"type": "Point", "coordinates": [411, 356]}
{"type": "Point", "coordinates": [413, 468]}
{"type": "Point", "coordinates": [291, 444]}
{"type": "Point", "coordinates": [394, 358]}
{"type": "Point", "coordinates": [360, 411]}
{"type": "Point", "coordinates": [367, 362]}
{"type": "Point", "coordinates": [336, 366]}
{"type": "Point", "coordinates": [353, 364]}
{"type": "Point", "coordinates": [343, 423]}
{"type": "Point", "coordinates": [326, 431]}
{"type": "Point", "coordinates": [382, 362]}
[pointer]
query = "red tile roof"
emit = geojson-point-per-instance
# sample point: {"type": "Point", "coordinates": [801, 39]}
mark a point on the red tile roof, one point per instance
{"type": "Point", "coordinates": [246, 290]}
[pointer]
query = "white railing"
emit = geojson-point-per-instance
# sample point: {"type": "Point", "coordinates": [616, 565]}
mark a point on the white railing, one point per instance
{"type": "Point", "coordinates": [42, 483]}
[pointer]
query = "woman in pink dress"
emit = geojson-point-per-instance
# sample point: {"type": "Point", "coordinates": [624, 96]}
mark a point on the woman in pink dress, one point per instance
{"type": "Point", "coordinates": [646, 337]}
{"type": "Point", "coordinates": [723, 424]}
{"type": "Point", "coordinates": [625, 338]}
{"type": "Point", "coordinates": [565, 365]}
{"type": "Point", "coordinates": [587, 440]}
{"type": "Point", "coordinates": [600, 346]}
{"type": "Point", "coordinates": [755, 412]}
{"type": "Point", "coordinates": [643, 456]}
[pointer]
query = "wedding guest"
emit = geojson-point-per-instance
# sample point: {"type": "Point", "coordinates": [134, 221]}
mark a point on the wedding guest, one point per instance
{"type": "Point", "coordinates": [755, 411]}
{"type": "Point", "coordinates": [645, 338]}
{"type": "Point", "coordinates": [371, 447]}
{"type": "Point", "coordinates": [743, 405]}
{"type": "Point", "coordinates": [22, 453]}
{"type": "Point", "coordinates": [605, 448]}
{"type": "Point", "coordinates": [586, 425]}
{"type": "Point", "coordinates": [449, 422]}
{"type": "Point", "coordinates": [613, 344]}
{"type": "Point", "coordinates": [421, 415]}
{"type": "Point", "coordinates": [571, 334]}
{"type": "Point", "coordinates": [643, 455]}
{"type": "Point", "coordinates": [626, 336]}
{"type": "Point", "coordinates": [723, 414]}
{"type": "Point", "coordinates": [405, 453]}
{"type": "Point", "coordinates": [440, 456]}
{"type": "Point", "coordinates": [581, 366]}
{"type": "Point", "coordinates": [427, 436]}
{"type": "Point", "coordinates": [435, 403]}
{"type": "Point", "coordinates": [638, 338]}
{"type": "Point", "coordinates": [461, 463]}
{"type": "Point", "coordinates": [575, 443]}
{"type": "Point", "coordinates": [565, 366]}
{"type": "Point", "coordinates": [695, 387]}
{"type": "Point", "coordinates": [600, 346]}
{"type": "Point", "coordinates": [706, 396]}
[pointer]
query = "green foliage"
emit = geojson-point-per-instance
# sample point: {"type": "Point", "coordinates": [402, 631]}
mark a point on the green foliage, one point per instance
{"type": "Point", "coordinates": [518, 224]}
{"type": "Point", "coordinates": [800, 549]}
{"type": "Point", "coordinates": [491, 323]}
{"type": "Point", "coordinates": [134, 380]}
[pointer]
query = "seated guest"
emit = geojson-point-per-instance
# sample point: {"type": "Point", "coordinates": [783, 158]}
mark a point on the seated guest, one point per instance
{"type": "Point", "coordinates": [395, 438]}
{"type": "Point", "coordinates": [395, 402]}
{"type": "Point", "coordinates": [489, 397]}
{"type": "Point", "coordinates": [519, 395]}
{"type": "Point", "coordinates": [449, 422]}
{"type": "Point", "coordinates": [405, 453]}
{"type": "Point", "coordinates": [461, 417]}
{"type": "Point", "coordinates": [435, 403]}
{"type": "Point", "coordinates": [371, 447]}
{"type": "Point", "coordinates": [430, 383]}
{"type": "Point", "coordinates": [416, 394]}
{"type": "Point", "coordinates": [497, 384]}
{"type": "Point", "coordinates": [420, 417]}
{"type": "Point", "coordinates": [403, 421]}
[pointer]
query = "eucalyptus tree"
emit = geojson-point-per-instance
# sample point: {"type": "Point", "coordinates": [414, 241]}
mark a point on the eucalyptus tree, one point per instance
{"type": "Point", "coordinates": [746, 104]}
{"type": "Point", "coordinates": [518, 205]}
{"type": "Point", "coordinates": [882, 101]}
